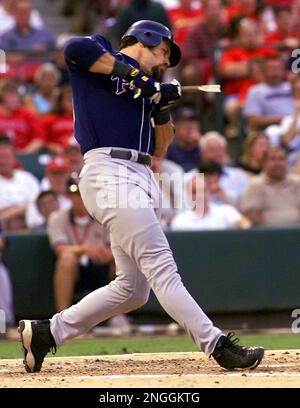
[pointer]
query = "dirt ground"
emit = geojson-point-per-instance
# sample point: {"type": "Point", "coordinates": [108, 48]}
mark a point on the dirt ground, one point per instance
{"type": "Point", "coordinates": [278, 369]}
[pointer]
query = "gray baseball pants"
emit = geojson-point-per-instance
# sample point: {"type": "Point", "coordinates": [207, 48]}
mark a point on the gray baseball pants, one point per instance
{"type": "Point", "coordinates": [110, 188]}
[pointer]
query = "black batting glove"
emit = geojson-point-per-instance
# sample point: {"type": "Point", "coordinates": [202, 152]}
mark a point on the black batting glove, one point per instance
{"type": "Point", "coordinates": [143, 86]}
{"type": "Point", "coordinates": [170, 92]}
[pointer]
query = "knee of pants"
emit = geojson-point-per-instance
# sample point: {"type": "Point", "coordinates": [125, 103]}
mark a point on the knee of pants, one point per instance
{"type": "Point", "coordinates": [135, 298]}
{"type": "Point", "coordinates": [138, 300]}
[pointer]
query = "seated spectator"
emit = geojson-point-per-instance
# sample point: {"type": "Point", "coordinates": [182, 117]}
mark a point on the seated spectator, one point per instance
{"type": "Point", "coordinates": [255, 148]}
{"type": "Point", "coordinates": [273, 197]}
{"type": "Point", "coordinates": [43, 98]}
{"type": "Point", "coordinates": [184, 17]}
{"type": "Point", "coordinates": [200, 43]}
{"type": "Point", "coordinates": [46, 204]}
{"type": "Point", "coordinates": [18, 188]}
{"type": "Point", "coordinates": [185, 149]}
{"type": "Point", "coordinates": [23, 36]}
{"type": "Point", "coordinates": [286, 33]}
{"type": "Point", "coordinates": [73, 154]}
{"type": "Point", "coordinates": [59, 123]}
{"type": "Point", "coordinates": [169, 177]}
{"type": "Point", "coordinates": [213, 172]}
{"type": "Point", "coordinates": [56, 178]}
{"type": "Point", "coordinates": [268, 102]}
{"type": "Point", "coordinates": [234, 69]}
{"type": "Point", "coordinates": [213, 147]}
{"type": "Point", "coordinates": [6, 296]}
{"type": "Point", "coordinates": [7, 17]}
{"type": "Point", "coordinates": [205, 214]}
{"type": "Point", "coordinates": [23, 127]}
{"type": "Point", "coordinates": [58, 172]}
{"type": "Point", "coordinates": [295, 6]}
{"type": "Point", "coordinates": [255, 76]}
{"type": "Point", "coordinates": [287, 133]}
{"type": "Point", "coordinates": [82, 248]}
{"type": "Point", "coordinates": [59, 57]}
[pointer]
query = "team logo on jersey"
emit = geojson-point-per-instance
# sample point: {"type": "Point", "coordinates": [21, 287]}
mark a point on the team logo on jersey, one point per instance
{"type": "Point", "coordinates": [122, 85]}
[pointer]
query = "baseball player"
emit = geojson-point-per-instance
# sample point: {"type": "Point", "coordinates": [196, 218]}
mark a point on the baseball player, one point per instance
{"type": "Point", "coordinates": [122, 119]}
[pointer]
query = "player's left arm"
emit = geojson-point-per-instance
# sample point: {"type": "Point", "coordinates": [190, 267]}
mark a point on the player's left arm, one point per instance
{"type": "Point", "coordinates": [164, 135]}
{"type": "Point", "coordinates": [164, 128]}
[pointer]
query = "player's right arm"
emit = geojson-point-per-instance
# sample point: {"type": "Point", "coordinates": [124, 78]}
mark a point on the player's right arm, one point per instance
{"type": "Point", "coordinates": [88, 54]}
{"type": "Point", "coordinates": [94, 54]}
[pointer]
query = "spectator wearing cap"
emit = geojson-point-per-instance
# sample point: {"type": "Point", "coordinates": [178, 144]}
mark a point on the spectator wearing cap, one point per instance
{"type": "Point", "coordinates": [22, 126]}
{"type": "Point", "coordinates": [185, 151]}
{"type": "Point", "coordinates": [82, 248]}
{"type": "Point", "coordinates": [58, 172]}
{"type": "Point", "coordinates": [73, 154]}
{"type": "Point", "coordinates": [56, 178]}
{"type": "Point", "coordinates": [23, 36]}
{"type": "Point", "coordinates": [59, 124]}
{"type": "Point", "coordinates": [18, 188]}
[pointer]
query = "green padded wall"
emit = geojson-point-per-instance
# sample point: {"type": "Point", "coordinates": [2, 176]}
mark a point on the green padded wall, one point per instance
{"type": "Point", "coordinates": [225, 271]}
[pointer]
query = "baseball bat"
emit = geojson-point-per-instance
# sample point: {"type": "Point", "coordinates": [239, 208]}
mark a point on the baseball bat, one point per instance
{"type": "Point", "coordinates": [204, 88]}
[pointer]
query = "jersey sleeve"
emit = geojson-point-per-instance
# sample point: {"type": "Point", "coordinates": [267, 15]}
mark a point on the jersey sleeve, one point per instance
{"type": "Point", "coordinates": [83, 52]}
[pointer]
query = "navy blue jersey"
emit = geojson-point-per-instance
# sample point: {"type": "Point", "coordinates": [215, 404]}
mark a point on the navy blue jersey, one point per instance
{"type": "Point", "coordinates": [106, 115]}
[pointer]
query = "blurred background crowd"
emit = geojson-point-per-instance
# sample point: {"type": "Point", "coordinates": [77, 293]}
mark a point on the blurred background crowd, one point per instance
{"type": "Point", "coordinates": [246, 140]}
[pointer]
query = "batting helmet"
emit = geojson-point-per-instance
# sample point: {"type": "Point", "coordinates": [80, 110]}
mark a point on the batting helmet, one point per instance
{"type": "Point", "coordinates": [151, 34]}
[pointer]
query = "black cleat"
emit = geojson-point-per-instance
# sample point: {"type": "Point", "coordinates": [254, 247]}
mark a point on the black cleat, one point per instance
{"type": "Point", "coordinates": [230, 355]}
{"type": "Point", "coordinates": [37, 341]}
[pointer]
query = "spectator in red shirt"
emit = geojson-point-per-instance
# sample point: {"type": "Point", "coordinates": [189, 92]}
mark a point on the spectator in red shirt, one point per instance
{"type": "Point", "coordinates": [197, 52]}
{"type": "Point", "coordinates": [183, 18]}
{"type": "Point", "coordinates": [23, 127]}
{"type": "Point", "coordinates": [247, 8]}
{"type": "Point", "coordinates": [59, 124]}
{"type": "Point", "coordinates": [285, 34]}
{"type": "Point", "coordinates": [234, 68]}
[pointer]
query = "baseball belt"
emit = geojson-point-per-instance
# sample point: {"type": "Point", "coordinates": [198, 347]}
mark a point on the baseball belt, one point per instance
{"type": "Point", "coordinates": [141, 158]}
